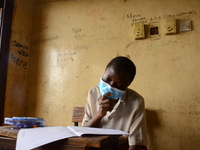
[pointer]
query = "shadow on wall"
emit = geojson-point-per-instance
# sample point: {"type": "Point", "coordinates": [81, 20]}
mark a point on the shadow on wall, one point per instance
{"type": "Point", "coordinates": [36, 67]}
{"type": "Point", "coordinates": [152, 124]}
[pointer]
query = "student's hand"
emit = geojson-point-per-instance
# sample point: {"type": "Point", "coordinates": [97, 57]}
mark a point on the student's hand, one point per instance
{"type": "Point", "coordinates": [105, 105]}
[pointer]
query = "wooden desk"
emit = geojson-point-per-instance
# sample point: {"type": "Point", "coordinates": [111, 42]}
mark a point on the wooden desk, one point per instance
{"type": "Point", "coordinates": [9, 136]}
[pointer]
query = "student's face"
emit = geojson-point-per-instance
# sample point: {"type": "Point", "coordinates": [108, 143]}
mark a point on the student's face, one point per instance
{"type": "Point", "coordinates": [116, 78]}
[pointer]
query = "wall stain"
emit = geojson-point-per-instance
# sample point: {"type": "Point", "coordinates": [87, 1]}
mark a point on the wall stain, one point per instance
{"type": "Point", "coordinates": [129, 45]}
{"type": "Point", "coordinates": [128, 56]}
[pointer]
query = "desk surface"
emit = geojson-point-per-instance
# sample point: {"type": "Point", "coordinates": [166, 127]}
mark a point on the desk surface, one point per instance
{"type": "Point", "coordinates": [8, 132]}
{"type": "Point", "coordinates": [92, 141]}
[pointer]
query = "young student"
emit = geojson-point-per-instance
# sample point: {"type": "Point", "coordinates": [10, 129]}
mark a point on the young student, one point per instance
{"type": "Point", "coordinates": [113, 105]}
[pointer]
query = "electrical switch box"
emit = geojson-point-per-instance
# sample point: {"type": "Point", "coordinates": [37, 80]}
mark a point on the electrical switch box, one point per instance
{"type": "Point", "coordinates": [154, 30]}
{"type": "Point", "coordinates": [138, 29]}
{"type": "Point", "coordinates": [170, 25]}
{"type": "Point", "coordinates": [185, 25]}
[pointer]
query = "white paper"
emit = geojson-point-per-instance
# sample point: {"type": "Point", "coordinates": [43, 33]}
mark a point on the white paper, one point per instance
{"type": "Point", "coordinates": [96, 131]}
{"type": "Point", "coordinates": [32, 138]}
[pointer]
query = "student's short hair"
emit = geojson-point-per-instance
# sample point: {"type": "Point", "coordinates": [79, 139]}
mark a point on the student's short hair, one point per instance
{"type": "Point", "coordinates": [123, 64]}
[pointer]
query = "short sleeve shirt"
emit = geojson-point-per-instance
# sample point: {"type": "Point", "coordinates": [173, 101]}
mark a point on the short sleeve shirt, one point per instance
{"type": "Point", "coordinates": [127, 115]}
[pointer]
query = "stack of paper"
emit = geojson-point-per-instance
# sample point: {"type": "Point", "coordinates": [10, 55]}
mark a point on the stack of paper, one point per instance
{"type": "Point", "coordinates": [32, 138]}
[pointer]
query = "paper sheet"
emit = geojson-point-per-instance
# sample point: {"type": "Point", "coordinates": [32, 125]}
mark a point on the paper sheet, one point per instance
{"type": "Point", "coordinates": [32, 138]}
{"type": "Point", "coordinates": [96, 131]}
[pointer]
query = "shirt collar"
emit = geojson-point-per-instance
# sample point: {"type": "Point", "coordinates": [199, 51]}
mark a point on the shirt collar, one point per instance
{"type": "Point", "coordinates": [124, 97]}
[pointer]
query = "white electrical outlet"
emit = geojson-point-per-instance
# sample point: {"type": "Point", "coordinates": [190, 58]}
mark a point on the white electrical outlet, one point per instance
{"type": "Point", "coordinates": [138, 29]}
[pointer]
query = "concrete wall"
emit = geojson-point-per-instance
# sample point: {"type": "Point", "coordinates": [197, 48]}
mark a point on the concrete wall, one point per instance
{"type": "Point", "coordinates": [16, 91]}
{"type": "Point", "coordinates": [73, 40]}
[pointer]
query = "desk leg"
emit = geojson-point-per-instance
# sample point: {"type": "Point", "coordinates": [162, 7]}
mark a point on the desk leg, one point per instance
{"type": "Point", "coordinates": [7, 143]}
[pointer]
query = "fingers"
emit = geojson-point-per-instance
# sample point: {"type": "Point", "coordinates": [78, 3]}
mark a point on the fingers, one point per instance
{"type": "Point", "coordinates": [106, 95]}
{"type": "Point", "coordinates": [105, 104]}
{"type": "Point", "coordinates": [104, 99]}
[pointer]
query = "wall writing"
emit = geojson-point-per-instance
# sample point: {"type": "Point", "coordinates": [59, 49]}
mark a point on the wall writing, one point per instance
{"type": "Point", "coordinates": [181, 14]}
{"type": "Point", "coordinates": [69, 50]}
{"type": "Point", "coordinates": [72, 49]}
{"type": "Point", "coordinates": [78, 35]}
{"type": "Point", "coordinates": [61, 57]}
{"type": "Point", "coordinates": [96, 14]}
{"type": "Point", "coordinates": [138, 18]}
{"type": "Point", "coordinates": [98, 27]}
{"type": "Point", "coordinates": [17, 32]}
{"type": "Point", "coordinates": [16, 44]}
{"type": "Point", "coordinates": [45, 40]}
{"type": "Point", "coordinates": [45, 18]}
{"type": "Point", "coordinates": [22, 52]}
{"type": "Point", "coordinates": [165, 43]}
{"type": "Point", "coordinates": [157, 18]}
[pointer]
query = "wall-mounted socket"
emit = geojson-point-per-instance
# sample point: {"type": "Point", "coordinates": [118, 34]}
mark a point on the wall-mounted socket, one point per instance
{"type": "Point", "coordinates": [138, 30]}
{"type": "Point", "coordinates": [170, 25]}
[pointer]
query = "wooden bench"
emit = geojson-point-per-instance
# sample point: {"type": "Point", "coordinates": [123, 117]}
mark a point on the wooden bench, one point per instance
{"type": "Point", "coordinates": [77, 115]}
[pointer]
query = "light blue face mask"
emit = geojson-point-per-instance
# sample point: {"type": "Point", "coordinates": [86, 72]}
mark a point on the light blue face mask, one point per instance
{"type": "Point", "coordinates": [106, 88]}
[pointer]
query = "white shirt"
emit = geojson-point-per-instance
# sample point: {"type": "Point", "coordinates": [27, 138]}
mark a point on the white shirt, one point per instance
{"type": "Point", "coordinates": [127, 115]}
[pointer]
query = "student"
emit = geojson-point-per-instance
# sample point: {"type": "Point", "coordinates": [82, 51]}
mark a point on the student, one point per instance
{"type": "Point", "coordinates": [113, 105]}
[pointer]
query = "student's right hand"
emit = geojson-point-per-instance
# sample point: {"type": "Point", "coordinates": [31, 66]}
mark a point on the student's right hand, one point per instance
{"type": "Point", "coordinates": [105, 105]}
